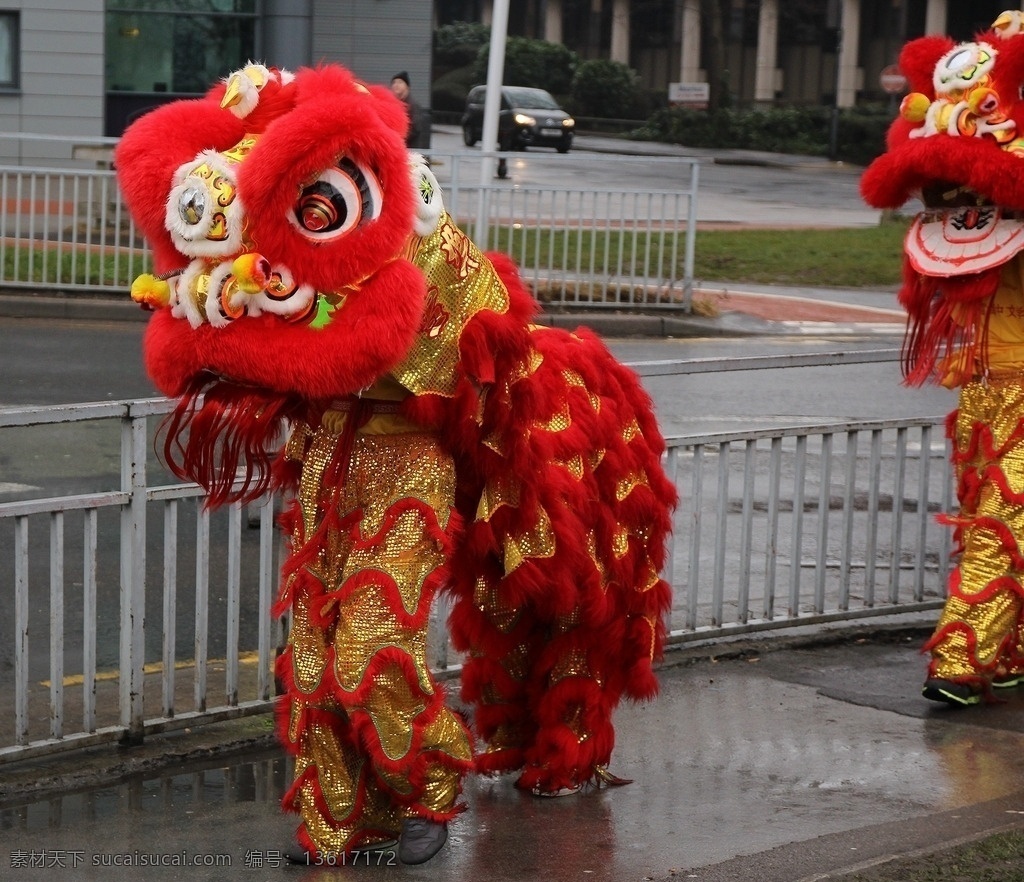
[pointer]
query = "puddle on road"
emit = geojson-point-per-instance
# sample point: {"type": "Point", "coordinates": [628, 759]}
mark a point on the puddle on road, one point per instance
{"type": "Point", "coordinates": [257, 778]}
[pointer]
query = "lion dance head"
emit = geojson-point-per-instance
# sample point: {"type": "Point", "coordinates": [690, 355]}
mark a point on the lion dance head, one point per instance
{"type": "Point", "coordinates": [281, 209]}
{"type": "Point", "coordinates": [958, 147]}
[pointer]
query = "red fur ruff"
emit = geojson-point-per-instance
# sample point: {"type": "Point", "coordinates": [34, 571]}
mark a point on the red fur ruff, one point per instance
{"type": "Point", "coordinates": [577, 439]}
{"type": "Point", "coordinates": [224, 437]}
{"type": "Point", "coordinates": [947, 318]}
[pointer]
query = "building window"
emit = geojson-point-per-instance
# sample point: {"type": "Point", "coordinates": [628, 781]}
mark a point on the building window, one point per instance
{"type": "Point", "coordinates": [170, 46]}
{"type": "Point", "coordinates": [158, 50]}
{"type": "Point", "coordinates": [9, 60]}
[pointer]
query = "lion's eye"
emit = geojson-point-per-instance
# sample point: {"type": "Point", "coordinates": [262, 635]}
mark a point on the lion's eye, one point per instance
{"type": "Point", "coordinates": [191, 205]}
{"type": "Point", "coordinates": [341, 199]}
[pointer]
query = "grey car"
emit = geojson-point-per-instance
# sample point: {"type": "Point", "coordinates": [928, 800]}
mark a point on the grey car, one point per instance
{"type": "Point", "coordinates": [528, 118]}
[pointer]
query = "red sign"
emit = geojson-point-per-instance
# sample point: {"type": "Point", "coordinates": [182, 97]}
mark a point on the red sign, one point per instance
{"type": "Point", "coordinates": [892, 80]}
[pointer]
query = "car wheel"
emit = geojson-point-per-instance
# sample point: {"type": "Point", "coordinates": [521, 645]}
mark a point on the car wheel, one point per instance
{"type": "Point", "coordinates": [468, 137]}
{"type": "Point", "coordinates": [563, 148]}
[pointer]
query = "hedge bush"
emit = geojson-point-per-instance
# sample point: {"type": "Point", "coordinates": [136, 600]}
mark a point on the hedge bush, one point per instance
{"type": "Point", "coordinates": [449, 91]}
{"type": "Point", "coordinates": [608, 89]}
{"type": "Point", "coordinates": [456, 45]}
{"type": "Point", "coordinates": [535, 63]}
{"type": "Point", "coordinates": [801, 130]}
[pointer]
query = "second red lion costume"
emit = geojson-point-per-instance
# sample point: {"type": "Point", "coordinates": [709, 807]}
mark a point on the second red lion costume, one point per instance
{"type": "Point", "coordinates": [308, 275]}
{"type": "Point", "coordinates": [959, 146]}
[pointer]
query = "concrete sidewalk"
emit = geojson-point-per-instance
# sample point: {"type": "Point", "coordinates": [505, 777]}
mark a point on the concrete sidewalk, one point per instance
{"type": "Point", "coordinates": [762, 761]}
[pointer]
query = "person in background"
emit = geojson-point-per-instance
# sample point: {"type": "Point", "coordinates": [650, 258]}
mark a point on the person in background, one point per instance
{"type": "Point", "coordinates": [400, 87]}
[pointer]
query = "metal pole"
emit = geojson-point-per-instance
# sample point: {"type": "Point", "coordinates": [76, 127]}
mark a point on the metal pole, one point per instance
{"type": "Point", "coordinates": [833, 130]}
{"type": "Point", "coordinates": [492, 106]}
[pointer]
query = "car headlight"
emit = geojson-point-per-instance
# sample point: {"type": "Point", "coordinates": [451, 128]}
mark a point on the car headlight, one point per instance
{"type": "Point", "coordinates": [568, 123]}
{"type": "Point", "coordinates": [523, 120]}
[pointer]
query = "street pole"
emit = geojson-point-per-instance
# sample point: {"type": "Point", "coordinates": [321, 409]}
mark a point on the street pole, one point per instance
{"type": "Point", "coordinates": [833, 132]}
{"type": "Point", "coordinates": [492, 107]}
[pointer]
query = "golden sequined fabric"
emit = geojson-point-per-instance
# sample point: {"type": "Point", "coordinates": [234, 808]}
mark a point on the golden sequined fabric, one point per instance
{"type": "Point", "coordinates": [360, 608]}
{"type": "Point", "coordinates": [977, 633]}
{"type": "Point", "coordinates": [460, 284]}
{"type": "Point", "coordinates": [537, 542]}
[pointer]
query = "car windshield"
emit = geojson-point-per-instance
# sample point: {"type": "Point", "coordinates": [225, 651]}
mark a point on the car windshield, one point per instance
{"type": "Point", "coordinates": [537, 99]}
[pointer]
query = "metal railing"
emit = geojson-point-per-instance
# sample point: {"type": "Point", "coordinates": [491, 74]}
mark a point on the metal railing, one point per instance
{"type": "Point", "coordinates": [584, 246]}
{"type": "Point", "coordinates": [576, 245]}
{"type": "Point", "coordinates": [165, 622]}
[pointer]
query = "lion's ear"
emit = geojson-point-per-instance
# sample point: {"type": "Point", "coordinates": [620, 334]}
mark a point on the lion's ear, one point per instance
{"type": "Point", "coordinates": [429, 201]}
{"type": "Point", "coordinates": [918, 59]}
{"type": "Point", "coordinates": [390, 109]}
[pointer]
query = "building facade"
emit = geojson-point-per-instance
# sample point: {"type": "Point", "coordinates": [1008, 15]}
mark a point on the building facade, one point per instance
{"type": "Point", "coordinates": [84, 68]}
{"type": "Point", "coordinates": [774, 51]}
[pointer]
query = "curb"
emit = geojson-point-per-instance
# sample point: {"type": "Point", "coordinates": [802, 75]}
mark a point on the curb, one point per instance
{"type": "Point", "coordinates": [69, 307]}
{"type": "Point", "coordinates": [31, 780]}
{"type": "Point", "coordinates": [730, 324]}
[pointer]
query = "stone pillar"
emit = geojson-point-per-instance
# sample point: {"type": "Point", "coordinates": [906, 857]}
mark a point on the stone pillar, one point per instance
{"type": "Point", "coordinates": [553, 21]}
{"type": "Point", "coordinates": [848, 79]}
{"type": "Point", "coordinates": [935, 17]}
{"type": "Point", "coordinates": [620, 31]}
{"type": "Point", "coordinates": [689, 50]}
{"type": "Point", "coordinates": [594, 29]}
{"type": "Point", "coordinates": [767, 51]}
{"type": "Point", "coordinates": [288, 33]}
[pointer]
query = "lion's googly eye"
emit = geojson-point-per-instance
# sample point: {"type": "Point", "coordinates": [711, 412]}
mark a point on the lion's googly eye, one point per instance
{"type": "Point", "coordinates": [340, 200]}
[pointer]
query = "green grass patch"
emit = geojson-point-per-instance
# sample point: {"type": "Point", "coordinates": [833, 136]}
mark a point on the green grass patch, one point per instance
{"type": "Point", "coordinates": [59, 264]}
{"type": "Point", "coordinates": [859, 257]}
{"type": "Point", "coordinates": [862, 257]}
{"type": "Point", "coordinates": [998, 858]}
{"type": "Point", "coordinates": [594, 250]}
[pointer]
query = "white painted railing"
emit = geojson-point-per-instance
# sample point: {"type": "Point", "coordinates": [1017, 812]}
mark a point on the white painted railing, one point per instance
{"type": "Point", "coordinates": [67, 228]}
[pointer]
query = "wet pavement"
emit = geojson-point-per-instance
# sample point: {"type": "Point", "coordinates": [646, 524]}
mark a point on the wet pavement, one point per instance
{"type": "Point", "coordinates": [768, 760]}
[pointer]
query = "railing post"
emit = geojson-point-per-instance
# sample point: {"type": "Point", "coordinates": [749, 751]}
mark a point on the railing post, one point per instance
{"type": "Point", "coordinates": [266, 598]}
{"type": "Point", "coordinates": [691, 239]}
{"type": "Point", "coordinates": [133, 575]}
{"type": "Point", "coordinates": [21, 672]}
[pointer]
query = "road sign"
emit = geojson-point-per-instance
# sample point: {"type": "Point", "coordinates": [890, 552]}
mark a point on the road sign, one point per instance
{"type": "Point", "coordinates": [689, 94]}
{"type": "Point", "coordinates": [892, 80]}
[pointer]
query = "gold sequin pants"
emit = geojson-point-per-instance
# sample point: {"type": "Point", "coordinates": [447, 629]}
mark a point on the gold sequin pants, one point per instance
{"type": "Point", "coordinates": [978, 636]}
{"type": "Point", "coordinates": [373, 739]}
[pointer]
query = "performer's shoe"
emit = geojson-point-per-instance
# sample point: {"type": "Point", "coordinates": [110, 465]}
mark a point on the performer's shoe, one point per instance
{"type": "Point", "coordinates": [421, 839]}
{"type": "Point", "coordinates": [599, 778]}
{"type": "Point", "coordinates": [561, 791]}
{"type": "Point", "coordinates": [1008, 681]}
{"type": "Point", "coordinates": [298, 855]}
{"type": "Point", "coordinates": [951, 692]}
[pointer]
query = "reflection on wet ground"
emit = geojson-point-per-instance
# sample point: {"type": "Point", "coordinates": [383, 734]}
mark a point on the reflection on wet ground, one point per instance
{"type": "Point", "coordinates": [739, 758]}
{"type": "Point", "coordinates": [253, 779]}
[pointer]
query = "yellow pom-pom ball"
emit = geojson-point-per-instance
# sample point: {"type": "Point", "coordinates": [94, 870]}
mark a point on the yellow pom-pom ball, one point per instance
{"type": "Point", "coordinates": [914, 107]}
{"type": "Point", "coordinates": [251, 272]}
{"type": "Point", "coordinates": [983, 102]}
{"type": "Point", "coordinates": [148, 290]}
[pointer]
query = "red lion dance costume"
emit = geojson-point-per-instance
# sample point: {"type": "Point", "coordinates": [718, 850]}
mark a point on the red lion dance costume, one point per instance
{"type": "Point", "coordinates": [959, 146]}
{"type": "Point", "coordinates": [308, 275]}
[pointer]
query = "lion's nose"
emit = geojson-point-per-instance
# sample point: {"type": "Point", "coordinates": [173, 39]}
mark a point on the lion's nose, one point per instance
{"type": "Point", "coordinates": [251, 272]}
